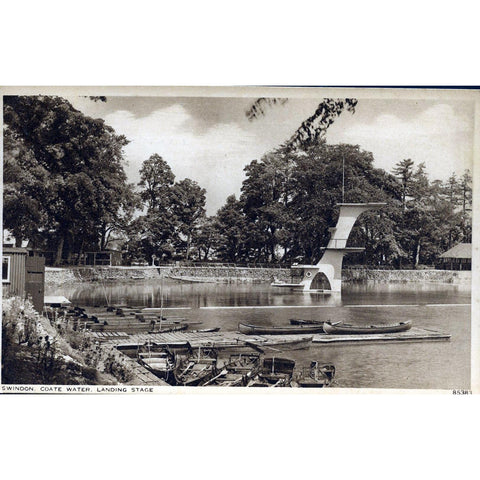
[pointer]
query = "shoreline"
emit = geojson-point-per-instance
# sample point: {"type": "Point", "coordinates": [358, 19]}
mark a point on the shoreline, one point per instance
{"type": "Point", "coordinates": [237, 275]}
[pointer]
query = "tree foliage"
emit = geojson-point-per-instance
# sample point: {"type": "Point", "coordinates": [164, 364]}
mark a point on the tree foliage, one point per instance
{"type": "Point", "coordinates": [75, 161]}
{"type": "Point", "coordinates": [65, 189]}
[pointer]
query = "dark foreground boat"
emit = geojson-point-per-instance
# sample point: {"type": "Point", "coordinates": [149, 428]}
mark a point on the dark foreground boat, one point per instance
{"type": "Point", "coordinates": [237, 370]}
{"type": "Point", "coordinates": [317, 376]}
{"type": "Point", "coordinates": [274, 372]}
{"type": "Point", "coordinates": [158, 360]}
{"type": "Point", "coordinates": [347, 329]}
{"type": "Point", "coordinates": [196, 368]}
{"type": "Point", "coordinates": [287, 330]}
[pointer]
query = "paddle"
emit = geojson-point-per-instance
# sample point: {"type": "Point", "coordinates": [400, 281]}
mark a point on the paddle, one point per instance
{"type": "Point", "coordinates": [223, 372]}
{"type": "Point", "coordinates": [254, 346]}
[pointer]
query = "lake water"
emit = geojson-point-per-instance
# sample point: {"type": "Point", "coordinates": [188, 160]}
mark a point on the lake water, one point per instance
{"type": "Point", "coordinates": [439, 365]}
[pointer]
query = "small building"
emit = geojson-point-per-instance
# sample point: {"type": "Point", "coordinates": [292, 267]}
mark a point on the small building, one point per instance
{"type": "Point", "coordinates": [23, 274]}
{"type": "Point", "coordinates": [458, 257]}
{"type": "Point", "coordinates": [112, 258]}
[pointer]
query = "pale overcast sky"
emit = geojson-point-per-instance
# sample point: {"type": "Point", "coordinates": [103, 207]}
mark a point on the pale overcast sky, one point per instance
{"type": "Point", "coordinates": [210, 140]}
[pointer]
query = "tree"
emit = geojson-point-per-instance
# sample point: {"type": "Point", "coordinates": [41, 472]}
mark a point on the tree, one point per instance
{"type": "Point", "coordinates": [466, 191]}
{"type": "Point", "coordinates": [404, 170]}
{"type": "Point", "coordinates": [82, 161]}
{"type": "Point", "coordinates": [205, 237]}
{"type": "Point", "coordinates": [25, 186]}
{"type": "Point", "coordinates": [156, 180]}
{"type": "Point", "coordinates": [188, 203]}
{"type": "Point", "coordinates": [266, 194]}
{"type": "Point", "coordinates": [314, 128]}
{"type": "Point", "coordinates": [154, 233]}
{"type": "Point", "coordinates": [230, 223]}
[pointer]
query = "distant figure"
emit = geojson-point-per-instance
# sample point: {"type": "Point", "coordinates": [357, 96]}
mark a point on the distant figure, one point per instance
{"type": "Point", "coordinates": [152, 324]}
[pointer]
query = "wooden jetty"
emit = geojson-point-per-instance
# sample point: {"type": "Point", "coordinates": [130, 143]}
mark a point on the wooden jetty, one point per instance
{"type": "Point", "coordinates": [211, 339]}
{"type": "Point", "coordinates": [415, 334]}
{"type": "Point", "coordinates": [235, 339]}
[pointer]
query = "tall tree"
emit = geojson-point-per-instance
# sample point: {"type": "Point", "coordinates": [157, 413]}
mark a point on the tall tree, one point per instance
{"type": "Point", "coordinates": [189, 208]}
{"type": "Point", "coordinates": [82, 157]}
{"type": "Point", "coordinates": [231, 226]}
{"type": "Point", "coordinates": [155, 231]}
{"type": "Point", "coordinates": [156, 180]}
{"type": "Point", "coordinates": [205, 237]}
{"type": "Point", "coordinates": [404, 171]}
{"type": "Point", "coordinates": [25, 188]}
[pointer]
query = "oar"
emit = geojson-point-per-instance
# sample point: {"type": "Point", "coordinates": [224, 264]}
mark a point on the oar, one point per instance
{"type": "Point", "coordinates": [223, 372]}
{"type": "Point", "coordinates": [254, 346]}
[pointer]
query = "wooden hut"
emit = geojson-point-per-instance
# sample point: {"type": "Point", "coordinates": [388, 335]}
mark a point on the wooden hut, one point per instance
{"type": "Point", "coordinates": [458, 257]}
{"type": "Point", "coordinates": [23, 274]}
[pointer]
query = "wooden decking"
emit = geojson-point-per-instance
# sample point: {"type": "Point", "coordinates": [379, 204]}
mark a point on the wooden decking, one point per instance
{"type": "Point", "coordinates": [233, 339]}
{"type": "Point", "coordinates": [415, 334]}
{"type": "Point", "coordinates": [205, 339]}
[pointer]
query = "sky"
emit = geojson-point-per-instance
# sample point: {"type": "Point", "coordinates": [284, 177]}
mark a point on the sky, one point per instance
{"type": "Point", "coordinates": [210, 140]}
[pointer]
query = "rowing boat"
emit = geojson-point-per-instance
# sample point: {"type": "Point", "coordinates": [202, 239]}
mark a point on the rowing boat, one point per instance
{"type": "Point", "coordinates": [286, 330]}
{"type": "Point", "coordinates": [159, 361]}
{"type": "Point", "coordinates": [274, 372]}
{"type": "Point", "coordinates": [237, 370]}
{"type": "Point", "coordinates": [196, 368]}
{"type": "Point", "coordinates": [317, 376]}
{"type": "Point", "coordinates": [347, 329]}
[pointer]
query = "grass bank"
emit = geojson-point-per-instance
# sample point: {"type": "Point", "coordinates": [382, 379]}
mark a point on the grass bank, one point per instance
{"type": "Point", "coordinates": [41, 351]}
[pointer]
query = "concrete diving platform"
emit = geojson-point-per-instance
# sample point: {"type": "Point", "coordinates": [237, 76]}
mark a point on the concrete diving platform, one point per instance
{"type": "Point", "coordinates": [415, 334]}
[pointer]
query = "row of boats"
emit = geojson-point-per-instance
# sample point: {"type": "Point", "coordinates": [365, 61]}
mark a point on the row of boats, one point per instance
{"type": "Point", "coordinates": [314, 326]}
{"type": "Point", "coordinates": [186, 366]}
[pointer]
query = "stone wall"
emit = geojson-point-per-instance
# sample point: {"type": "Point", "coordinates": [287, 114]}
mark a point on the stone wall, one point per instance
{"type": "Point", "coordinates": [403, 276]}
{"type": "Point", "coordinates": [57, 276]}
{"type": "Point", "coordinates": [231, 274]}
{"type": "Point", "coordinates": [217, 274]}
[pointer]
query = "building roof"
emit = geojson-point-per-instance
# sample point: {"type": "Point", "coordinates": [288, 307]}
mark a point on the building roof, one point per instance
{"type": "Point", "coordinates": [6, 249]}
{"type": "Point", "coordinates": [462, 250]}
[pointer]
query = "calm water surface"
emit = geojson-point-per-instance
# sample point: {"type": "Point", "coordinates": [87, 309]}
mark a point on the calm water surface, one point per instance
{"type": "Point", "coordinates": [442, 365]}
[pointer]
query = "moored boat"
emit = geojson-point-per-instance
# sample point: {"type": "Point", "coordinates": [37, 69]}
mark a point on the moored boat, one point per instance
{"type": "Point", "coordinates": [196, 368]}
{"type": "Point", "coordinates": [317, 376]}
{"type": "Point", "coordinates": [347, 329]}
{"type": "Point", "coordinates": [159, 361]}
{"type": "Point", "coordinates": [285, 330]}
{"type": "Point", "coordinates": [274, 372]}
{"type": "Point", "coordinates": [237, 370]}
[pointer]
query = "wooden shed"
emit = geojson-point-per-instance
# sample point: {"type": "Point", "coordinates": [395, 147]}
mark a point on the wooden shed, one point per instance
{"type": "Point", "coordinates": [458, 257]}
{"type": "Point", "coordinates": [23, 274]}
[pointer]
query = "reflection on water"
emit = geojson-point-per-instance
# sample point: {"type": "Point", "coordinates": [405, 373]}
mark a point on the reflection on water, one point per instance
{"type": "Point", "coordinates": [399, 365]}
{"type": "Point", "coordinates": [176, 294]}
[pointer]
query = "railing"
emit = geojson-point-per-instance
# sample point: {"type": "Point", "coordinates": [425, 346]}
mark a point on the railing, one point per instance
{"type": "Point", "coordinates": [337, 243]}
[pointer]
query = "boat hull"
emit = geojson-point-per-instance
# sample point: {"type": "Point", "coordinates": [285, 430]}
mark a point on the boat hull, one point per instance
{"type": "Point", "coordinates": [343, 329]}
{"type": "Point", "coordinates": [287, 330]}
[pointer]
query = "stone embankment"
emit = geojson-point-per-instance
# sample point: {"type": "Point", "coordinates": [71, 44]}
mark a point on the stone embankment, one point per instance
{"type": "Point", "coordinates": [230, 274]}
{"type": "Point", "coordinates": [58, 276]}
{"type": "Point", "coordinates": [219, 274]}
{"type": "Point", "coordinates": [404, 276]}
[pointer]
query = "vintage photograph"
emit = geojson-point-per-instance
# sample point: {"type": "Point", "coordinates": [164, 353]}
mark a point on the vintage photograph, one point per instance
{"type": "Point", "coordinates": [159, 238]}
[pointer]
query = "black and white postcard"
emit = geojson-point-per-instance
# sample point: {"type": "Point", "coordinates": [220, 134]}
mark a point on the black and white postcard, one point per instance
{"type": "Point", "coordinates": [221, 238]}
